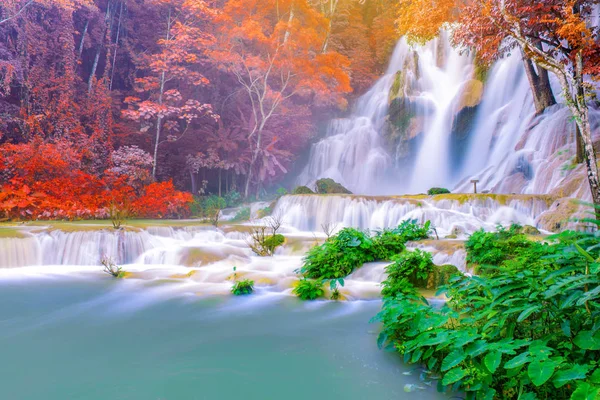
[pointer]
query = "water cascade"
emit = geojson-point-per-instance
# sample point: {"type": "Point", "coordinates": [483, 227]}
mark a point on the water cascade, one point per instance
{"type": "Point", "coordinates": [435, 119]}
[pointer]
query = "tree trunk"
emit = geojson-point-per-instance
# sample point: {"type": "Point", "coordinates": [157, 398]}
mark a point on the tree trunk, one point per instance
{"type": "Point", "coordinates": [161, 93]}
{"type": "Point", "coordinates": [220, 180]}
{"type": "Point", "coordinates": [252, 163]}
{"type": "Point", "coordinates": [94, 67]}
{"type": "Point", "coordinates": [579, 152]}
{"type": "Point", "coordinates": [85, 29]}
{"type": "Point", "coordinates": [289, 25]}
{"type": "Point", "coordinates": [112, 70]}
{"type": "Point", "coordinates": [193, 180]}
{"type": "Point", "coordinates": [540, 86]}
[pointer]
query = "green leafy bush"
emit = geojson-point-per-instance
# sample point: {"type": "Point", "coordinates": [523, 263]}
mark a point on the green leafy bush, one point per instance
{"type": "Point", "coordinates": [243, 287]}
{"type": "Point", "coordinates": [273, 242]}
{"type": "Point", "coordinates": [350, 248]}
{"type": "Point", "coordinates": [339, 255]}
{"type": "Point", "coordinates": [435, 190]}
{"type": "Point", "coordinates": [411, 230]}
{"type": "Point", "coordinates": [506, 248]}
{"type": "Point", "coordinates": [411, 266]}
{"type": "Point", "coordinates": [387, 244]}
{"type": "Point", "coordinates": [212, 208]}
{"type": "Point", "coordinates": [309, 289]}
{"type": "Point", "coordinates": [264, 212]}
{"type": "Point", "coordinates": [529, 331]}
{"type": "Point", "coordinates": [242, 215]}
{"type": "Point", "coordinates": [233, 199]}
{"type": "Point", "coordinates": [329, 186]}
{"type": "Point", "coordinates": [303, 190]}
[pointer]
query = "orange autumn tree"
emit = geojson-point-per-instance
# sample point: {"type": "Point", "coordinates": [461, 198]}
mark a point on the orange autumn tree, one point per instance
{"type": "Point", "coordinates": [275, 52]}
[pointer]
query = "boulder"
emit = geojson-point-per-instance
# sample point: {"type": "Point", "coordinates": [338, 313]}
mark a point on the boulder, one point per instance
{"type": "Point", "coordinates": [329, 186]}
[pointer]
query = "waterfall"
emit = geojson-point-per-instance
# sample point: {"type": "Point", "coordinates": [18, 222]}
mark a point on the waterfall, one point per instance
{"type": "Point", "coordinates": [448, 216]}
{"type": "Point", "coordinates": [435, 119]}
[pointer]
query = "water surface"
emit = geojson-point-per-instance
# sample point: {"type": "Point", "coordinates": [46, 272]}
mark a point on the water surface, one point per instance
{"type": "Point", "coordinates": [102, 339]}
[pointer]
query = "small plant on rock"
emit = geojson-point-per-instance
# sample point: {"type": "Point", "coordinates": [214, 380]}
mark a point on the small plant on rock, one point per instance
{"type": "Point", "coordinates": [264, 239]}
{"type": "Point", "coordinates": [243, 287]}
{"type": "Point", "coordinates": [111, 268]}
{"type": "Point", "coordinates": [309, 289]}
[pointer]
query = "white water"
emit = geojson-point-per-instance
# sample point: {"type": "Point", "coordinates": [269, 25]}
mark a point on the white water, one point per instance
{"type": "Point", "coordinates": [312, 213]}
{"type": "Point", "coordinates": [510, 149]}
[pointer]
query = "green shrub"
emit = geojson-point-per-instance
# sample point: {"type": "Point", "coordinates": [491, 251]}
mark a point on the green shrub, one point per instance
{"type": "Point", "coordinates": [273, 242]}
{"type": "Point", "coordinates": [233, 199]}
{"type": "Point", "coordinates": [309, 289]}
{"type": "Point", "coordinates": [281, 192]}
{"type": "Point", "coordinates": [530, 331]}
{"type": "Point", "coordinates": [303, 190]}
{"type": "Point", "coordinates": [410, 230]}
{"type": "Point", "coordinates": [264, 212]}
{"type": "Point", "coordinates": [242, 215]}
{"type": "Point", "coordinates": [212, 208]}
{"type": "Point", "coordinates": [243, 287]}
{"type": "Point", "coordinates": [411, 266]}
{"type": "Point", "coordinates": [387, 244]}
{"type": "Point", "coordinates": [339, 255]}
{"type": "Point", "coordinates": [506, 248]}
{"type": "Point", "coordinates": [329, 186]}
{"type": "Point", "coordinates": [435, 190]}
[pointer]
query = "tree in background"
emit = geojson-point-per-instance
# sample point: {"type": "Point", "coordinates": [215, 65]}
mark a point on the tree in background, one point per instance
{"type": "Point", "coordinates": [274, 50]}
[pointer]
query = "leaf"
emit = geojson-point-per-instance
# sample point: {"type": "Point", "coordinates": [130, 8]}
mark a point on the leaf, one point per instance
{"type": "Point", "coordinates": [585, 391]}
{"type": "Point", "coordinates": [540, 371]}
{"type": "Point", "coordinates": [454, 375]}
{"type": "Point", "coordinates": [576, 372]}
{"type": "Point", "coordinates": [453, 359]}
{"type": "Point", "coordinates": [381, 339]}
{"type": "Point", "coordinates": [587, 340]}
{"type": "Point", "coordinates": [517, 361]}
{"type": "Point", "coordinates": [526, 313]}
{"type": "Point", "coordinates": [492, 361]}
{"type": "Point", "coordinates": [584, 253]}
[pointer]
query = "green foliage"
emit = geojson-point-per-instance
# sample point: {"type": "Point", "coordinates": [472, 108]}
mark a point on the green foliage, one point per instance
{"type": "Point", "coordinates": [309, 289]}
{"type": "Point", "coordinates": [329, 186]}
{"type": "Point", "coordinates": [243, 287]}
{"type": "Point", "coordinates": [350, 248]}
{"type": "Point", "coordinates": [412, 267]}
{"type": "Point", "coordinates": [208, 208]}
{"type": "Point", "coordinates": [339, 255]}
{"type": "Point", "coordinates": [281, 192]}
{"type": "Point", "coordinates": [529, 330]}
{"type": "Point", "coordinates": [303, 190]}
{"type": "Point", "coordinates": [387, 244]}
{"type": "Point", "coordinates": [233, 199]}
{"type": "Point", "coordinates": [264, 212]}
{"type": "Point", "coordinates": [242, 215]}
{"type": "Point", "coordinates": [503, 249]}
{"type": "Point", "coordinates": [411, 230]}
{"type": "Point", "coordinates": [273, 242]}
{"type": "Point", "coordinates": [435, 190]}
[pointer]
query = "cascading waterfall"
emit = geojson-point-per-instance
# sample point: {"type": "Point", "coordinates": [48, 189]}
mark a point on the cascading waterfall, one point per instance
{"type": "Point", "coordinates": [353, 152]}
{"type": "Point", "coordinates": [433, 120]}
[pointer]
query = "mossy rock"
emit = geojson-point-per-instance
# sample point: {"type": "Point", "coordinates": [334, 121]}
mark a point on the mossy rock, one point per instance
{"type": "Point", "coordinates": [329, 186]}
{"type": "Point", "coordinates": [303, 190]}
{"type": "Point", "coordinates": [530, 230]}
{"type": "Point", "coordinates": [440, 276]}
{"type": "Point", "coordinates": [470, 94]}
